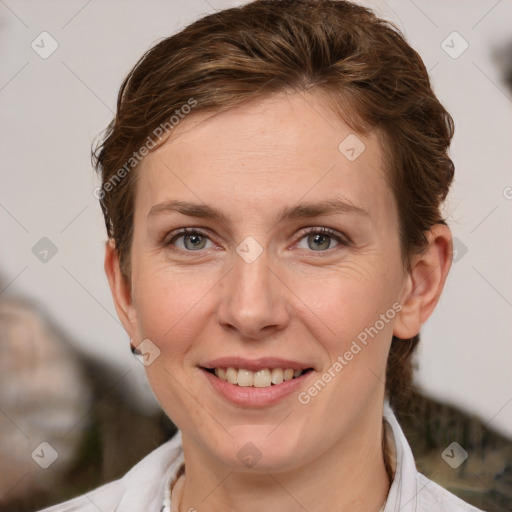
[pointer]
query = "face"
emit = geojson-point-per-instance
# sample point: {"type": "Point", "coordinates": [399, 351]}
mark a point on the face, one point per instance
{"type": "Point", "coordinates": [260, 245]}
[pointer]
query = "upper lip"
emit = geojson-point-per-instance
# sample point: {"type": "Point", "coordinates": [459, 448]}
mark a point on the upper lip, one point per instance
{"type": "Point", "coordinates": [255, 364]}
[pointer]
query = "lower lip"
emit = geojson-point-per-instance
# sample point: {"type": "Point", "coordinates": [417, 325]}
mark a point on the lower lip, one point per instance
{"type": "Point", "coordinates": [250, 396]}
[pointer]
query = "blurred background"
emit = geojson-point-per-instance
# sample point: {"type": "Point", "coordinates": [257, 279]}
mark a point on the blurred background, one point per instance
{"type": "Point", "coordinates": [69, 386]}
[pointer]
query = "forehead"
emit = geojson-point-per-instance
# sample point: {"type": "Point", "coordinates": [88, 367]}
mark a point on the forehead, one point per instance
{"type": "Point", "coordinates": [265, 154]}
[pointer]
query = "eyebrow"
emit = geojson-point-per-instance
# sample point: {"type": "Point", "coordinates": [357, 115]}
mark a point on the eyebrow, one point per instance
{"type": "Point", "coordinates": [300, 211]}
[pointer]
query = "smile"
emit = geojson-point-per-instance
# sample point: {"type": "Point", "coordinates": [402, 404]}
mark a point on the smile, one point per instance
{"type": "Point", "coordinates": [259, 379]}
{"type": "Point", "coordinates": [261, 387]}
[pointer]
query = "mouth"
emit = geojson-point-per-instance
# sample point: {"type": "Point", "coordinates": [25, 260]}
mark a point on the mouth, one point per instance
{"type": "Point", "coordinates": [263, 378]}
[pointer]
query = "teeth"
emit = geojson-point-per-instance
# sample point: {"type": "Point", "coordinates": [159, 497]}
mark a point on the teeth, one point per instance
{"type": "Point", "coordinates": [288, 374]}
{"type": "Point", "coordinates": [245, 378]}
{"type": "Point", "coordinates": [231, 375]}
{"type": "Point", "coordinates": [259, 379]}
{"type": "Point", "coordinates": [277, 376]}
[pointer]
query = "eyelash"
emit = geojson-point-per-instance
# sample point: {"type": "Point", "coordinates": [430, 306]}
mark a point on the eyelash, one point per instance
{"type": "Point", "coordinates": [342, 240]}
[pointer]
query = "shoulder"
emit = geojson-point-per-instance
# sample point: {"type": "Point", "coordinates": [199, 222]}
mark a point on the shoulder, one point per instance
{"type": "Point", "coordinates": [432, 497]}
{"type": "Point", "coordinates": [143, 485]}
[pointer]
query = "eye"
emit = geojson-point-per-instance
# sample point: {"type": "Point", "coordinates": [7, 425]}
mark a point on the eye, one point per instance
{"type": "Point", "coordinates": [320, 240]}
{"type": "Point", "coordinates": [190, 240]}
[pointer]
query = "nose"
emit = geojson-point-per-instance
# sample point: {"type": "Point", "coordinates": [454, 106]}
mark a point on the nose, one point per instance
{"type": "Point", "coordinates": [253, 301]}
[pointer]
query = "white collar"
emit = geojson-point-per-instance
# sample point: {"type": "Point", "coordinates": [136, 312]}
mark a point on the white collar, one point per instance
{"type": "Point", "coordinates": [143, 487]}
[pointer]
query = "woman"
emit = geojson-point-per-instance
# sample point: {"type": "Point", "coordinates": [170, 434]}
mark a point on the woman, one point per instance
{"type": "Point", "coordinates": [271, 186]}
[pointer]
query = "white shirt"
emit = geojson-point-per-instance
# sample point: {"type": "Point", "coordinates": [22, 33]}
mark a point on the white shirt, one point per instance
{"type": "Point", "coordinates": [144, 486]}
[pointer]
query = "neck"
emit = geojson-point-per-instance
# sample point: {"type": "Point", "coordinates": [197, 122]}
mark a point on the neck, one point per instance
{"type": "Point", "coordinates": [350, 476]}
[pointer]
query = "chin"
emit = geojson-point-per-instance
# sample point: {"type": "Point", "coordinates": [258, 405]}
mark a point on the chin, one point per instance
{"type": "Point", "coordinates": [256, 448]}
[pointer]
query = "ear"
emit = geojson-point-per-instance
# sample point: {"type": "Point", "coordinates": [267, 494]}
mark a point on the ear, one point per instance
{"type": "Point", "coordinates": [121, 290]}
{"type": "Point", "coordinates": [425, 282]}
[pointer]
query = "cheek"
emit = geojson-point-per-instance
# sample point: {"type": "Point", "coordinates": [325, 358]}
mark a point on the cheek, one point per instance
{"type": "Point", "coordinates": [173, 311]}
{"type": "Point", "coordinates": [352, 319]}
{"type": "Point", "coordinates": [344, 303]}
{"type": "Point", "coordinates": [172, 305]}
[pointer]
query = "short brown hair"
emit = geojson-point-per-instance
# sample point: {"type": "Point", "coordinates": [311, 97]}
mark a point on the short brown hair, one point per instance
{"type": "Point", "coordinates": [372, 78]}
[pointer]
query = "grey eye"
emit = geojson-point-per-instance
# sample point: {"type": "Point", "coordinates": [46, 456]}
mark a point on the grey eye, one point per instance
{"type": "Point", "coordinates": [317, 241]}
{"type": "Point", "coordinates": [191, 241]}
{"type": "Point", "coordinates": [194, 241]}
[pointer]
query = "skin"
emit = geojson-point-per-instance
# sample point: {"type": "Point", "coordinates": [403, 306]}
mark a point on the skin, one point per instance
{"type": "Point", "coordinates": [295, 301]}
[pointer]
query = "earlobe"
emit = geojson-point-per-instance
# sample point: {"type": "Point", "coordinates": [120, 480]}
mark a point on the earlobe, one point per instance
{"type": "Point", "coordinates": [425, 282]}
{"type": "Point", "coordinates": [120, 289]}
